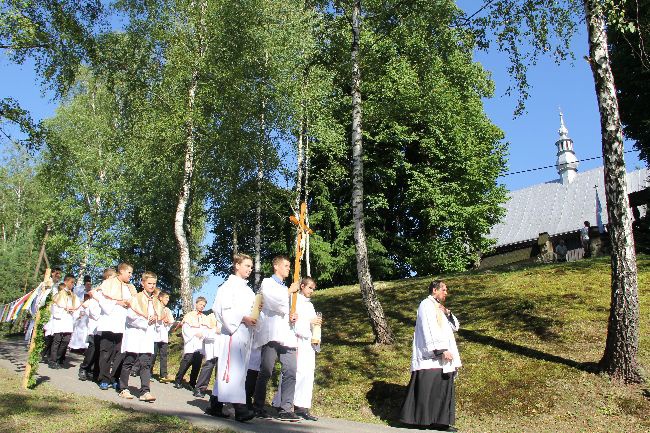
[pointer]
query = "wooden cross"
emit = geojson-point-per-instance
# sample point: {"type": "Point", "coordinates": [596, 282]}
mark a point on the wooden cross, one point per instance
{"type": "Point", "coordinates": [302, 229]}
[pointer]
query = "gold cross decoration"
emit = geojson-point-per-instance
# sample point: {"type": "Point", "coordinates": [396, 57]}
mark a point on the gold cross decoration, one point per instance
{"type": "Point", "coordinates": [302, 229]}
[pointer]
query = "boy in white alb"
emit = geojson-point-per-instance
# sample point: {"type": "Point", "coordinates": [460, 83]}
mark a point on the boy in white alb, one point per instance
{"type": "Point", "coordinates": [211, 349]}
{"type": "Point", "coordinates": [49, 288]}
{"type": "Point", "coordinates": [306, 353]}
{"type": "Point", "coordinates": [89, 367]}
{"type": "Point", "coordinates": [161, 342]}
{"type": "Point", "coordinates": [113, 296]}
{"type": "Point", "coordinates": [64, 304]}
{"type": "Point", "coordinates": [194, 331]}
{"type": "Point", "coordinates": [138, 342]}
{"type": "Point", "coordinates": [233, 306]}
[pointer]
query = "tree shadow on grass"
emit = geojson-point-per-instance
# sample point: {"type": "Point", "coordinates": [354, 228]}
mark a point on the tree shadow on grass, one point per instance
{"type": "Point", "coordinates": [385, 401]}
{"type": "Point", "coordinates": [477, 337]}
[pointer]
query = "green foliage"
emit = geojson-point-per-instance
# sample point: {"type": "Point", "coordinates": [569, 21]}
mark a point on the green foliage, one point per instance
{"type": "Point", "coordinates": [35, 356]}
{"type": "Point", "coordinates": [631, 67]}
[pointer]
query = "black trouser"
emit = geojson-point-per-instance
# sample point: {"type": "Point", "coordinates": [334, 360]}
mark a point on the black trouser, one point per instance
{"type": "Point", "coordinates": [109, 342]}
{"type": "Point", "coordinates": [48, 346]}
{"type": "Point", "coordinates": [190, 359]}
{"type": "Point", "coordinates": [144, 360]}
{"type": "Point", "coordinates": [206, 371]}
{"type": "Point", "coordinates": [90, 363]}
{"type": "Point", "coordinates": [162, 348]}
{"type": "Point", "coordinates": [59, 346]}
{"type": "Point", "coordinates": [251, 380]}
{"type": "Point", "coordinates": [116, 369]}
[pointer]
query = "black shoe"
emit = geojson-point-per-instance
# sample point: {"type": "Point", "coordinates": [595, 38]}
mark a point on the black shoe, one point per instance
{"type": "Point", "coordinates": [284, 415]}
{"type": "Point", "coordinates": [306, 415]}
{"type": "Point", "coordinates": [244, 415]}
{"type": "Point", "coordinates": [53, 365]}
{"type": "Point", "coordinates": [215, 412]}
{"type": "Point", "coordinates": [134, 373]}
{"type": "Point", "coordinates": [262, 414]}
{"type": "Point", "coordinates": [178, 385]}
{"type": "Point", "coordinates": [82, 375]}
{"type": "Point", "coordinates": [198, 393]}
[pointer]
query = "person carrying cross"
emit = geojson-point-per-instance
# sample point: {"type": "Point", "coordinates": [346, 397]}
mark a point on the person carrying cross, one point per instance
{"type": "Point", "coordinates": [276, 338]}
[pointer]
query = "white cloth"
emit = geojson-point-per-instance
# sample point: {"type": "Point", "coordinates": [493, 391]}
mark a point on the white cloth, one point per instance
{"type": "Point", "coordinates": [433, 331]}
{"type": "Point", "coordinates": [193, 338]}
{"type": "Point", "coordinates": [80, 291]}
{"type": "Point", "coordinates": [60, 319]}
{"type": "Point", "coordinates": [78, 340]}
{"type": "Point", "coordinates": [113, 316]}
{"type": "Point", "coordinates": [94, 313]}
{"type": "Point", "coordinates": [234, 300]}
{"type": "Point", "coordinates": [273, 324]}
{"type": "Point", "coordinates": [255, 359]}
{"type": "Point", "coordinates": [162, 329]}
{"type": "Point", "coordinates": [305, 354]}
{"type": "Point", "coordinates": [211, 344]}
{"type": "Point", "coordinates": [138, 333]}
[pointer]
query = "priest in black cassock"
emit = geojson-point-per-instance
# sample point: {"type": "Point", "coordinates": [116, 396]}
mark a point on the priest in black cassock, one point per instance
{"type": "Point", "coordinates": [430, 397]}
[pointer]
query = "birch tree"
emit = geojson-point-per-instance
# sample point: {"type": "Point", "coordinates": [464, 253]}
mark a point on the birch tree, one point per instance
{"type": "Point", "coordinates": [538, 22]}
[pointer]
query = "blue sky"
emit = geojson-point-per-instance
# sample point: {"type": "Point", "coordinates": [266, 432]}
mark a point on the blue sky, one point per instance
{"type": "Point", "coordinates": [531, 136]}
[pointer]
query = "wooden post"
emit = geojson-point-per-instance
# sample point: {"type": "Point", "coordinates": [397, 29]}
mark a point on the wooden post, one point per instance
{"type": "Point", "coordinates": [32, 343]}
{"type": "Point", "coordinates": [302, 228]}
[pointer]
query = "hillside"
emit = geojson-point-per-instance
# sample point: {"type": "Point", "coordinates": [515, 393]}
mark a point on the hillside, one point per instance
{"type": "Point", "coordinates": [528, 341]}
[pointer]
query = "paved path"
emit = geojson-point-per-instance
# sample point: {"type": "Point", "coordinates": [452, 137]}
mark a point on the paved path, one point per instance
{"type": "Point", "coordinates": [173, 401]}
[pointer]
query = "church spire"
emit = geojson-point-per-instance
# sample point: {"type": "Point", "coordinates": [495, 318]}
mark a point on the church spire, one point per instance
{"type": "Point", "coordinates": [567, 162]}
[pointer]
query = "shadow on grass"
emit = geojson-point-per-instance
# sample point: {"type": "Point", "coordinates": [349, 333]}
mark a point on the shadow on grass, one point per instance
{"type": "Point", "coordinates": [385, 401]}
{"type": "Point", "coordinates": [477, 337]}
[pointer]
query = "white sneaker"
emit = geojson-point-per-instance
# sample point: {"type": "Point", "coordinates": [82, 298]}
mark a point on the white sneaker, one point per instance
{"type": "Point", "coordinates": [125, 393]}
{"type": "Point", "coordinates": [147, 397]}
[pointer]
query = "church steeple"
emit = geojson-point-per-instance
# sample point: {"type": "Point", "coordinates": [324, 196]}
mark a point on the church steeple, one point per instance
{"type": "Point", "coordinates": [567, 162]}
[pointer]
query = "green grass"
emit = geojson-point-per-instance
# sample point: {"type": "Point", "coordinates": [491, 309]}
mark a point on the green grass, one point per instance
{"type": "Point", "coordinates": [46, 410]}
{"type": "Point", "coordinates": [529, 340]}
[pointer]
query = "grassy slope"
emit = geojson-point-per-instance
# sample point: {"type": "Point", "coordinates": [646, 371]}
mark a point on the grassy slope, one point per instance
{"type": "Point", "coordinates": [529, 338]}
{"type": "Point", "coordinates": [47, 410]}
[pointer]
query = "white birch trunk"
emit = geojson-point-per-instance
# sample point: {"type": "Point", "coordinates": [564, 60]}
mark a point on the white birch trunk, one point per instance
{"type": "Point", "coordinates": [380, 327]}
{"type": "Point", "coordinates": [620, 356]}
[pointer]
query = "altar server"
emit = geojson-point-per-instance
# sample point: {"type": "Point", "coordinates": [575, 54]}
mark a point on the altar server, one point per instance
{"type": "Point", "coordinates": [138, 342]}
{"type": "Point", "coordinates": [79, 338]}
{"type": "Point", "coordinates": [48, 289]}
{"type": "Point", "coordinates": [194, 331]}
{"type": "Point", "coordinates": [233, 306]}
{"type": "Point", "coordinates": [84, 288]}
{"type": "Point", "coordinates": [161, 347]}
{"type": "Point", "coordinates": [211, 350]}
{"type": "Point", "coordinates": [276, 338]}
{"type": "Point", "coordinates": [89, 367]}
{"type": "Point", "coordinates": [113, 296]}
{"type": "Point", "coordinates": [306, 352]}
{"type": "Point", "coordinates": [64, 305]}
{"type": "Point", "coordinates": [430, 396]}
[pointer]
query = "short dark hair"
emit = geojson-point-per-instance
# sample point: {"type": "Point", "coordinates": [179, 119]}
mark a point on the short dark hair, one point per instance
{"type": "Point", "coordinates": [280, 258]}
{"type": "Point", "coordinates": [57, 270]}
{"type": "Point", "coordinates": [587, 224]}
{"type": "Point", "coordinates": [435, 285]}
{"type": "Point", "coordinates": [68, 276]}
{"type": "Point", "coordinates": [87, 279]}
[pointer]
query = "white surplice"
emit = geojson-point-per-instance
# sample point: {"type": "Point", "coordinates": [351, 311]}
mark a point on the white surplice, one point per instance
{"type": "Point", "coordinates": [273, 324]}
{"type": "Point", "coordinates": [79, 338]}
{"type": "Point", "coordinates": [234, 300]}
{"type": "Point", "coordinates": [434, 332]}
{"type": "Point", "coordinates": [305, 354]}
{"type": "Point", "coordinates": [139, 335]}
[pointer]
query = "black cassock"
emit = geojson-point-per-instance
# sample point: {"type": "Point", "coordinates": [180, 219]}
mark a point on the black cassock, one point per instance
{"type": "Point", "coordinates": [430, 398]}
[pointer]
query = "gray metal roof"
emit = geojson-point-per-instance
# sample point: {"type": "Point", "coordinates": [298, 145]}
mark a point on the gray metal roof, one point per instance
{"type": "Point", "coordinates": [555, 208]}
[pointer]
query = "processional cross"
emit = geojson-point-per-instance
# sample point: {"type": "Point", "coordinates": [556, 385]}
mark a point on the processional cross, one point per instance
{"type": "Point", "coordinates": [302, 230]}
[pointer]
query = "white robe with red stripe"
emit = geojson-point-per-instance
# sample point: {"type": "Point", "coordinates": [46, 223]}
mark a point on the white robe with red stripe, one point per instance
{"type": "Point", "coordinates": [234, 300]}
